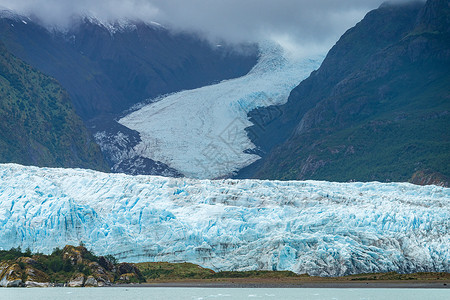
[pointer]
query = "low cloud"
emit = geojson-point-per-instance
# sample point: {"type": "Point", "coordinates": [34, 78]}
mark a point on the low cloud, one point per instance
{"type": "Point", "coordinates": [295, 23]}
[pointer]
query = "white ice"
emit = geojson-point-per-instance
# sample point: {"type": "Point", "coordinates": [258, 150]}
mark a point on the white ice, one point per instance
{"type": "Point", "coordinates": [320, 228]}
{"type": "Point", "coordinates": [201, 132]}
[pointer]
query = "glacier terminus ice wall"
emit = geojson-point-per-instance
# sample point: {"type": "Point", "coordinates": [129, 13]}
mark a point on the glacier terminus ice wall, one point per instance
{"type": "Point", "coordinates": [319, 228]}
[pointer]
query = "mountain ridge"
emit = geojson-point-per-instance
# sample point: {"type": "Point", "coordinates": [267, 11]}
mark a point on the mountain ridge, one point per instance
{"type": "Point", "coordinates": [376, 109]}
{"type": "Point", "coordinates": [109, 68]}
{"type": "Point", "coordinates": [107, 73]}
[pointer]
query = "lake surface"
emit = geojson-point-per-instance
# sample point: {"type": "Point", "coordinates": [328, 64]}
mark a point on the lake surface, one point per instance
{"type": "Point", "coordinates": [155, 293]}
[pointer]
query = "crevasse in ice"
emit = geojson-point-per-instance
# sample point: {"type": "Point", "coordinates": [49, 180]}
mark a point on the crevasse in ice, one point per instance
{"type": "Point", "coordinates": [319, 228]}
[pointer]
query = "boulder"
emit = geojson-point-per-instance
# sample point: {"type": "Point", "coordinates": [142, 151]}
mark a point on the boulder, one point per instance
{"type": "Point", "coordinates": [74, 254]}
{"type": "Point", "coordinates": [130, 271]}
{"type": "Point", "coordinates": [103, 277]}
{"type": "Point", "coordinates": [105, 263]}
{"type": "Point", "coordinates": [128, 278]}
{"type": "Point", "coordinates": [11, 275]}
{"type": "Point", "coordinates": [29, 283]}
{"type": "Point", "coordinates": [15, 283]}
{"type": "Point", "coordinates": [36, 278]}
{"type": "Point", "coordinates": [128, 268]}
{"type": "Point", "coordinates": [77, 281]}
{"type": "Point", "coordinates": [91, 281]}
{"type": "Point", "coordinates": [96, 268]}
{"type": "Point", "coordinates": [27, 260]}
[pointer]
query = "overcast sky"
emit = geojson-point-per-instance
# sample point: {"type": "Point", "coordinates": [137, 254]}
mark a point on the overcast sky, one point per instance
{"type": "Point", "coordinates": [316, 23]}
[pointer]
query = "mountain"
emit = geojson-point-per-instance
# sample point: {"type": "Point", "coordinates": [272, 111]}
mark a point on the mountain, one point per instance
{"type": "Point", "coordinates": [107, 68]}
{"type": "Point", "coordinates": [315, 227]}
{"type": "Point", "coordinates": [38, 125]}
{"type": "Point", "coordinates": [378, 108]}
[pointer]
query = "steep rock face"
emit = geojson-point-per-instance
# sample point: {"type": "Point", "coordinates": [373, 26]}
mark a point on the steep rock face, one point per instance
{"type": "Point", "coordinates": [144, 61]}
{"type": "Point", "coordinates": [10, 275]}
{"type": "Point", "coordinates": [427, 177]}
{"type": "Point", "coordinates": [377, 108]}
{"type": "Point", "coordinates": [35, 277]}
{"type": "Point", "coordinates": [118, 142]}
{"type": "Point", "coordinates": [38, 125]}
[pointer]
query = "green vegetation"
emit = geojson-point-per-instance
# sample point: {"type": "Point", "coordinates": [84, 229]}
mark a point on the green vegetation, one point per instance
{"type": "Point", "coordinates": [389, 146]}
{"type": "Point", "coordinates": [173, 271]}
{"type": "Point", "coordinates": [57, 268]}
{"type": "Point", "coordinates": [167, 272]}
{"type": "Point", "coordinates": [13, 253]}
{"type": "Point", "coordinates": [63, 266]}
{"type": "Point", "coordinates": [257, 274]}
{"type": "Point", "coordinates": [396, 276]}
{"type": "Point", "coordinates": [38, 125]}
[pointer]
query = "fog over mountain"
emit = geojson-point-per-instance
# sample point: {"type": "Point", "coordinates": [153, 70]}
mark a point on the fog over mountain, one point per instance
{"type": "Point", "coordinates": [296, 24]}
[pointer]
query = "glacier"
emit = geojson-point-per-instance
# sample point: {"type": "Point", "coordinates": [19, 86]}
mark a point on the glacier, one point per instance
{"type": "Point", "coordinates": [314, 227]}
{"type": "Point", "coordinates": [201, 132]}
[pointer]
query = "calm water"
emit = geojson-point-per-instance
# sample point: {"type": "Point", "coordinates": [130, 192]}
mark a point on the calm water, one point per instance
{"type": "Point", "coordinates": [220, 293]}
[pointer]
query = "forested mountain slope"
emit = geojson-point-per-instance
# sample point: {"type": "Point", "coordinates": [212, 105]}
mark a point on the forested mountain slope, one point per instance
{"type": "Point", "coordinates": [38, 125]}
{"type": "Point", "coordinates": [377, 109]}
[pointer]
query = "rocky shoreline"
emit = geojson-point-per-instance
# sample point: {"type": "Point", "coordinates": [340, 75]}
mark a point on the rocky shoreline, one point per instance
{"type": "Point", "coordinates": [77, 267]}
{"type": "Point", "coordinates": [70, 267]}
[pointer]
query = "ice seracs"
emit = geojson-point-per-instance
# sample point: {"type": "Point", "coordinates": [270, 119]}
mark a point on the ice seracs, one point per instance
{"type": "Point", "coordinates": [319, 228]}
{"type": "Point", "coordinates": [201, 132]}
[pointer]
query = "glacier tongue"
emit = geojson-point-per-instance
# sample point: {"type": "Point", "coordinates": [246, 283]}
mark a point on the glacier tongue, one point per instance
{"type": "Point", "coordinates": [320, 228]}
{"type": "Point", "coordinates": [201, 132]}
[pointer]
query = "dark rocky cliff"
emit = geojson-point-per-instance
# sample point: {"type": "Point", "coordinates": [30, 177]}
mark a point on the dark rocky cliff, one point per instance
{"type": "Point", "coordinates": [377, 109]}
